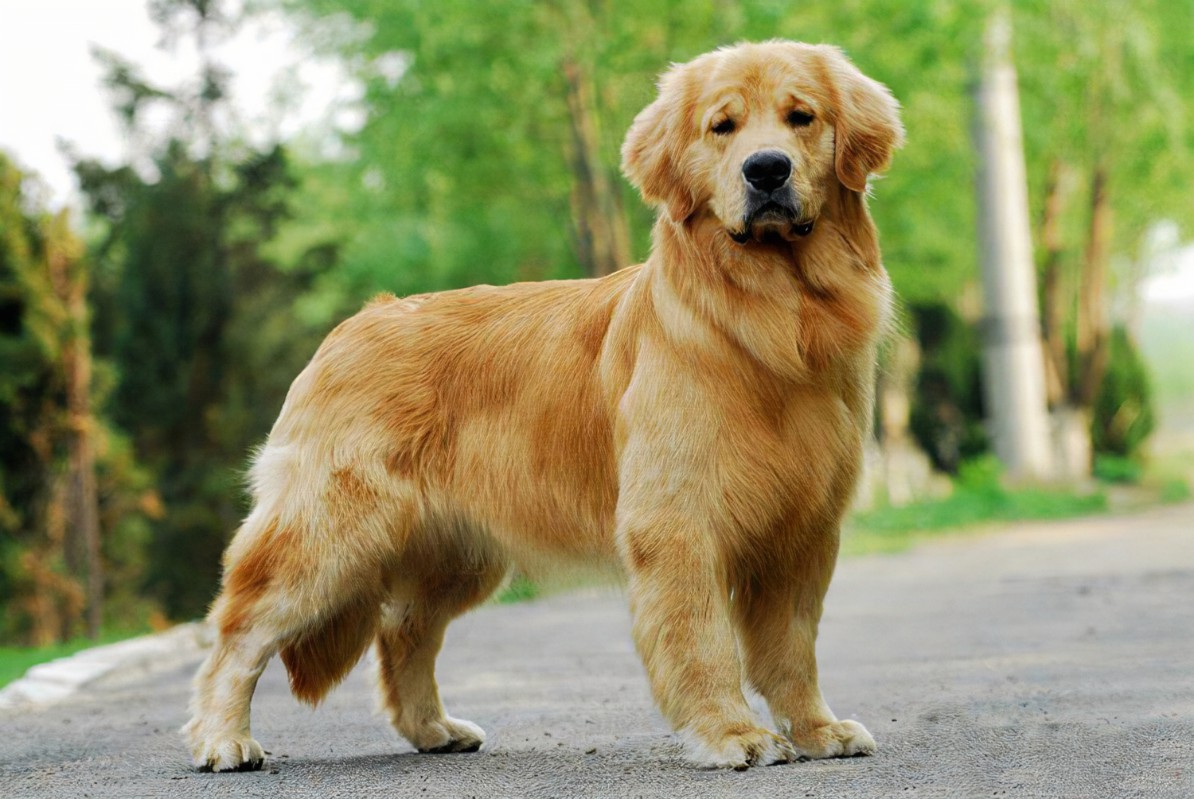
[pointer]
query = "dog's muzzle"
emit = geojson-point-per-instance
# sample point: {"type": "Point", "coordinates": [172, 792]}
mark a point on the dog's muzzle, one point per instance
{"type": "Point", "coordinates": [772, 207]}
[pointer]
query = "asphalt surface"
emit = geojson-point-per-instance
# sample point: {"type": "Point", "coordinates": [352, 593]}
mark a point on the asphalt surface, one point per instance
{"type": "Point", "coordinates": [1048, 660]}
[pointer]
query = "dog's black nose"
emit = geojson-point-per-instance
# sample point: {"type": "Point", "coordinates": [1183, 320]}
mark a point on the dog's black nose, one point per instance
{"type": "Point", "coordinates": [767, 170]}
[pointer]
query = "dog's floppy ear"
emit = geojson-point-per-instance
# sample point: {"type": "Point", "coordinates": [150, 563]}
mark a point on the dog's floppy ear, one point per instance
{"type": "Point", "coordinates": [867, 126]}
{"type": "Point", "coordinates": [653, 152]}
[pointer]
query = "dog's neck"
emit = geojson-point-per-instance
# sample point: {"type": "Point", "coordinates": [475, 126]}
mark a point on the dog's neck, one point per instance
{"type": "Point", "coordinates": [798, 306]}
{"type": "Point", "coordinates": [842, 235]}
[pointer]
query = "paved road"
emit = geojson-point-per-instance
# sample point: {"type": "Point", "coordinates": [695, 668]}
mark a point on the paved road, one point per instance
{"type": "Point", "coordinates": [1052, 660]}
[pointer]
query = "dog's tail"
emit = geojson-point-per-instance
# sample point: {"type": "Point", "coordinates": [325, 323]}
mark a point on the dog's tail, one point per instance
{"type": "Point", "coordinates": [326, 652]}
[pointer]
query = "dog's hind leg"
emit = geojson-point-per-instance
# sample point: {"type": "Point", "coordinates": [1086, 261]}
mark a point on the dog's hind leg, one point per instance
{"type": "Point", "coordinates": [279, 592]}
{"type": "Point", "coordinates": [436, 584]}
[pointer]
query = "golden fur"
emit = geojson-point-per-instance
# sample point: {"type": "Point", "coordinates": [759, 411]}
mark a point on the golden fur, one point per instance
{"type": "Point", "coordinates": [698, 419]}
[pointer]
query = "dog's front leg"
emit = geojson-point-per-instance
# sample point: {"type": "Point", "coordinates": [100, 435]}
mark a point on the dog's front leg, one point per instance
{"type": "Point", "coordinates": [685, 637]}
{"type": "Point", "coordinates": [777, 615]}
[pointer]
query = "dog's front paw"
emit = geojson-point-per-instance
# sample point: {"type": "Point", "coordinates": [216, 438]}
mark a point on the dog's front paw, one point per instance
{"type": "Point", "coordinates": [837, 739]}
{"type": "Point", "coordinates": [227, 752]}
{"type": "Point", "coordinates": [448, 735]}
{"type": "Point", "coordinates": [739, 749]}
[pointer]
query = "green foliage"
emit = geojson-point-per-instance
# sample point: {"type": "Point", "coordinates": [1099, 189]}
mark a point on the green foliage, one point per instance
{"type": "Point", "coordinates": [38, 592]}
{"type": "Point", "coordinates": [30, 390]}
{"type": "Point", "coordinates": [1111, 81]}
{"type": "Point", "coordinates": [947, 409]}
{"type": "Point", "coordinates": [192, 311]}
{"type": "Point", "coordinates": [979, 497]}
{"type": "Point", "coordinates": [1123, 412]}
{"type": "Point", "coordinates": [461, 173]}
{"type": "Point", "coordinates": [196, 322]}
{"type": "Point", "coordinates": [128, 503]}
{"type": "Point", "coordinates": [520, 589]}
{"type": "Point", "coordinates": [1117, 469]}
{"type": "Point", "coordinates": [1176, 490]}
{"type": "Point", "coordinates": [36, 589]}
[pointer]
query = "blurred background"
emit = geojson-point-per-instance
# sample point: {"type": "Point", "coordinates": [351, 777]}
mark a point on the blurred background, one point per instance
{"type": "Point", "coordinates": [193, 192]}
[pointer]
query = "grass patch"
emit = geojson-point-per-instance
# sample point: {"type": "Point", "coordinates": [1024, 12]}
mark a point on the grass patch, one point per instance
{"type": "Point", "coordinates": [520, 589]}
{"type": "Point", "coordinates": [1170, 476]}
{"type": "Point", "coordinates": [1175, 489]}
{"type": "Point", "coordinates": [1117, 469]}
{"type": "Point", "coordinates": [16, 660]}
{"type": "Point", "coordinates": [979, 497]}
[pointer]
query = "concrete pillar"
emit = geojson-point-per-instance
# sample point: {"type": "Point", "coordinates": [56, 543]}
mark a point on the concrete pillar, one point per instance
{"type": "Point", "coordinates": [1013, 358]}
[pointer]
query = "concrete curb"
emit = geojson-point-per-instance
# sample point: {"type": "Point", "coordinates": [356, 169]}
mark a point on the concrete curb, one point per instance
{"type": "Point", "coordinates": [48, 683]}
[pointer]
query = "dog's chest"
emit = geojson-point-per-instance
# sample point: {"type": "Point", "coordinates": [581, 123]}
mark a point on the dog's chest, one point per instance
{"type": "Point", "coordinates": [839, 322]}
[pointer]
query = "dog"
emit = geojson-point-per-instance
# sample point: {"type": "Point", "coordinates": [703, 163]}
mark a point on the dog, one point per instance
{"type": "Point", "coordinates": [698, 419]}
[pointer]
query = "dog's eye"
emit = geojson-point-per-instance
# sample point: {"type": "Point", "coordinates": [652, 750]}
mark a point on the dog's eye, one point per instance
{"type": "Point", "coordinates": [725, 127]}
{"type": "Point", "coordinates": [800, 119]}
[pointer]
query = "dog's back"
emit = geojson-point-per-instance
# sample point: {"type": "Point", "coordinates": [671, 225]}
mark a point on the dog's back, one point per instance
{"type": "Point", "coordinates": [488, 404]}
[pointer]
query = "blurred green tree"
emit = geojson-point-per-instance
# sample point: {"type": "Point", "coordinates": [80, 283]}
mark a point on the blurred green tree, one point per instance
{"type": "Point", "coordinates": [69, 495]}
{"type": "Point", "coordinates": [477, 158]}
{"type": "Point", "coordinates": [193, 314]}
{"type": "Point", "coordinates": [491, 142]}
{"type": "Point", "coordinates": [1108, 95]}
{"type": "Point", "coordinates": [35, 581]}
{"type": "Point", "coordinates": [1124, 415]}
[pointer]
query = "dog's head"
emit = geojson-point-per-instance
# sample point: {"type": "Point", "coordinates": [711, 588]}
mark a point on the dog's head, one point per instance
{"type": "Point", "coordinates": [756, 135]}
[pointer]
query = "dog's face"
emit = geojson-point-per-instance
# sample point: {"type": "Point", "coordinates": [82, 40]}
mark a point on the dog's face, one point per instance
{"type": "Point", "coordinates": [757, 136]}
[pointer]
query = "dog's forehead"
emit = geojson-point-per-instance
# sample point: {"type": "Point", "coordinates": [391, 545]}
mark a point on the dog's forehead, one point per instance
{"type": "Point", "coordinates": [763, 74]}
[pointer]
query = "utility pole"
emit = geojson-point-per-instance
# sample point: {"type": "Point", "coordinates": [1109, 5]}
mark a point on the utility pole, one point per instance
{"type": "Point", "coordinates": [1013, 358]}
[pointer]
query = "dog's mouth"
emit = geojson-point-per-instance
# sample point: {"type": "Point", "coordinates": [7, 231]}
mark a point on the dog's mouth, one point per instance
{"type": "Point", "coordinates": [771, 219]}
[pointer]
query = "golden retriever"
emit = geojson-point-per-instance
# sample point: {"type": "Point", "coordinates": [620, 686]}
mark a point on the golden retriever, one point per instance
{"type": "Point", "coordinates": [698, 419]}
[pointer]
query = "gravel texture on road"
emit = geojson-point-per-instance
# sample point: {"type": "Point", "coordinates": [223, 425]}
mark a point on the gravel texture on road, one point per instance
{"type": "Point", "coordinates": [1045, 660]}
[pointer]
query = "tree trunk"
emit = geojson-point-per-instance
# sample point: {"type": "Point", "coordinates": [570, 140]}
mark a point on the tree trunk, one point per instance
{"type": "Point", "coordinates": [84, 501]}
{"type": "Point", "coordinates": [600, 238]}
{"type": "Point", "coordinates": [82, 544]}
{"type": "Point", "coordinates": [1093, 334]}
{"type": "Point", "coordinates": [1057, 377]}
